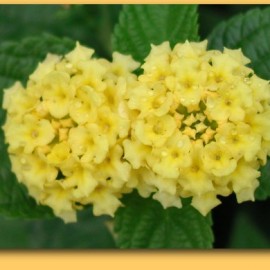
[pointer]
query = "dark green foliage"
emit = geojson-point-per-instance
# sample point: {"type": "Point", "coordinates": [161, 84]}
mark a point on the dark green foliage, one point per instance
{"type": "Point", "coordinates": [251, 33]}
{"type": "Point", "coordinates": [88, 232]}
{"type": "Point", "coordinates": [143, 223]}
{"type": "Point", "coordinates": [90, 24]}
{"type": "Point", "coordinates": [142, 25]}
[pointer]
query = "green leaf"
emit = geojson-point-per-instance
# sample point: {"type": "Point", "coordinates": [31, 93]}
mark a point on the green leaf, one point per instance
{"type": "Point", "coordinates": [88, 232]}
{"type": "Point", "coordinates": [17, 61]}
{"type": "Point", "coordinates": [92, 25]}
{"type": "Point", "coordinates": [263, 191]}
{"type": "Point", "coordinates": [251, 33]}
{"type": "Point", "coordinates": [143, 223]}
{"type": "Point", "coordinates": [18, 21]}
{"type": "Point", "coordinates": [142, 25]}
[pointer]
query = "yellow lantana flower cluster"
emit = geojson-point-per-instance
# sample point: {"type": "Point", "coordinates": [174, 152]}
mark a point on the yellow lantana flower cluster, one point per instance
{"type": "Point", "coordinates": [86, 131]}
{"type": "Point", "coordinates": [200, 126]}
{"type": "Point", "coordinates": [65, 129]}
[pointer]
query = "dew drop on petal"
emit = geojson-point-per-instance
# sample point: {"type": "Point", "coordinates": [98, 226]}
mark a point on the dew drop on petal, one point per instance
{"type": "Point", "coordinates": [247, 81]}
{"type": "Point", "coordinates": [210, 105]}
{"type": "Point", "coordinates": [180, 144]}
{"type": "Point", "coordinates": [164, 153]}
{"type": "Point", "coordinates": [81, 148]}
{"type": "Point", "coordinates": [23, 161]}
{"type": "Point", "coordinates": [182, 99]}
{"type": "Point", "coordinates": [69, 65]}
{"type": "Point", "coordinates": [78, 104]}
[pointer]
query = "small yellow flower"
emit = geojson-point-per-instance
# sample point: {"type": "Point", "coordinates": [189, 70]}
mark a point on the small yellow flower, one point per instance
{"type": "Point", "coordinates": [195, 179]}
{"type": "Point", "coordinates": [157, 63]}
{"type": "Point", "coordinates": [259, 123]}
{"type": "Point", "coordinates": [135, 153]}
{"type": "Point", "coordinates": [169, 159]}
{"type": "Point", "coordinates": [88, 144]}
{"type": "Point", "coordinates": [237, 137]}
{"type": "Point", "coordinates": [60, 200]}
{"type": "Point", "coordinates": [32, 170]}
{"type": "Point", "coordinates": [245, 181]}
{"type": "Point", "coordinates": [205, 202]}
{"type": "Point", "coordinates": [83, 108]}
{"type": "Point", "coordinates": [59, 153]}
{"type": "Point", "coordinates": [123, 64]}
{"type": "Point", "coordinates": [154, 131]}
{"type": "Point", "coordinates": [29, 134]}
{"type": "Point", "coordinates": [79, 54]}
{"type": "Point", "coordinates": [112, 125]}
{"type": "Point", "coordinates": [222, 68]}
{"type": "Point", "coordinates": [104, 202]}
{"type": "Point", "coordinates": [260, 92]}
{"type": "Point", "coordinates": [17, 101]}
{"type": "Point", "coordinates": [91, 74]}
{"type": "Point", "coordinates": [191, 50]}
{"type": "Point", "coordinates": [58, 94]}
{"type": "Point", "coordinates": [218, 160]}
{"type": "Point", "coordinates": [82, 182]}
{"type": "Point", "coordinates": [44, 68]}
{"type": "Point", "coordinates": [140, 179]}
{"type": "Point", "coordinates": [114, 171]}
{"type": "Point", "coordinates": [191, 82]}
{"type": "Point", "coordinates": [167, 199]}
{"type": "Point", "coordinates": [227, 104]}
{"type": "Point", "coordinates": [145, 101]}
{"type": "Point", "coordinates": [238, 56]}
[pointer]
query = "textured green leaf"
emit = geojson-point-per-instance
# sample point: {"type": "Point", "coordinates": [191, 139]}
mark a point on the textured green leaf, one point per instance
{"type": "Point", "coordinates": [212, 15]}
{"type": "Point", "coordinates": [142, 25]}
{"type": "Point", "coordinates": [17, 61]}
{"type": "Point", "coordinates": [251, 33]}
{"type": "Point", "coordinates": [143, 223]}
{"type": "Point", "coordinates": [18, 21]}
{"type": "Point", "coordinates": [92, 25]}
